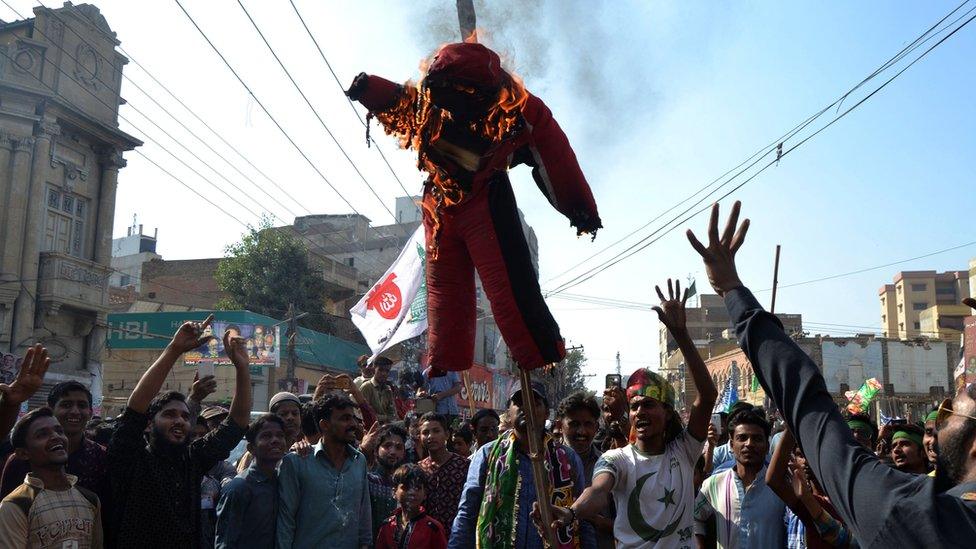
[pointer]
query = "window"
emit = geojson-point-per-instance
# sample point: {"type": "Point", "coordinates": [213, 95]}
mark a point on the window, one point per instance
{"type": "Point", "coordinates": [919, 287]}
{"type": "Point", "coordinates": [920, 306]}
{"type": "Point", "coordinates": [351, 261]}
{"type": "Point", "coordinates": [883, 319]}
{"type": "Point", "coordinates": [945, 290]}
{"type": "Point", "coordinates": [917, 326]}
{"type": "Point", "coordinates": [125, 280]}
{"type": "Point", "coordinates": [64, 225]}
{"type": "Point", "coordinates": [901, 307]}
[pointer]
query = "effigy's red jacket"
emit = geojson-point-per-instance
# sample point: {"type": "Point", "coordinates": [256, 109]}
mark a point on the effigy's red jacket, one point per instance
{"type": "Point", "coordinates": [541, 144]}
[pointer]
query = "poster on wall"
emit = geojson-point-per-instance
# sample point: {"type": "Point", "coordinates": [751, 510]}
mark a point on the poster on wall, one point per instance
{"type": "Point", "coordinates": [261, 342]}
{"type": "Point", "coordinates": [9, 364]}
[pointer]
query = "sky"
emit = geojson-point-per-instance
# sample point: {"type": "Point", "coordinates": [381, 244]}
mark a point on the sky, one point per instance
{"type": "Point", "coordinates": [658, 100]}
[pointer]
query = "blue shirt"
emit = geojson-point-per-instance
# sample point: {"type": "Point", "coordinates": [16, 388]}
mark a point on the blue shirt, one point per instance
{"type": "Point", "coordinates": [320, 506]}
{"type": "Point", "coordinates": [746, 517]}
{"type": "Point", "coordinates": [247, 511]}
{"type": "Point", "coordinates": [527, 536]}
{"type": "Point", "coordinates": [445, 406]}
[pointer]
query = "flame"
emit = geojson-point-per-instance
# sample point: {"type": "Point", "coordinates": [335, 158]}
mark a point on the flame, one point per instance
{"type": "Point", "coordinates": [417, 124]}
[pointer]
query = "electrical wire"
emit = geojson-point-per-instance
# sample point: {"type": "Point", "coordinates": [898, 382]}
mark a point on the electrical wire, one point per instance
{"type": "Point", "coordinates": [634, 249]}
{"type": "Point", "coordinates": [322, 255]}
{"type": "Point", "coordinates": [777, 144]}
{"type": "Point", "coordinates": [351, 104]}
{"type": "Point", "coordinates": [315, 111]}
{"type": "Point", "coordinates": [265, 109]}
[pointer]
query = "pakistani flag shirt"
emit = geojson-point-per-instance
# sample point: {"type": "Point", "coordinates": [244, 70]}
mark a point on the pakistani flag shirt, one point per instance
{"type": "Point", "coordinates": [654, 494]}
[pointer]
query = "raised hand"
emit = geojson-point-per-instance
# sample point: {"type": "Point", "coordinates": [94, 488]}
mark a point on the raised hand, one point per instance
{"type": "Point", "coordinates": [672, 310]}
{"type": "Point", "coordinates": [236, 350]}
{"type": "Point", "coordinates": [29, 378]}
{"type": "Point", "coordinates": [191, 335]}
{"type": "Point", "coordinates": [719, 255]}
{"type": "Point", "coordinates": [370, 440]}
{"type": "Point", "coordinates": [202, 387]}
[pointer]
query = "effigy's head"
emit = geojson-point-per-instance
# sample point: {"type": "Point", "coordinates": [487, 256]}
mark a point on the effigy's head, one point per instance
{"type": "Point", "coordinates": [465, 79]}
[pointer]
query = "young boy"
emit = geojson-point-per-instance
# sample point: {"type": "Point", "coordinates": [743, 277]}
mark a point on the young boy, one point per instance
{"type": "Point", "coordinates": [410, 527]}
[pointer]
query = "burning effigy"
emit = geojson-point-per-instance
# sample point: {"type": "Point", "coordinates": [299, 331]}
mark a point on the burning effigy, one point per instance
{"type": "Point", "coordinates": [469, 121]}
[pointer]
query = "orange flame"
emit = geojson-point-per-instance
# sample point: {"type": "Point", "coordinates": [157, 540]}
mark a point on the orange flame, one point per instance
{"type": "Point", "coordinates": [417, 124]}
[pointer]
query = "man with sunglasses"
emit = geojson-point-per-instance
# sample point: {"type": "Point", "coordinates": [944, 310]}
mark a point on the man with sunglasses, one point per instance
{"type": "Point", "coordinates": [881, 506]}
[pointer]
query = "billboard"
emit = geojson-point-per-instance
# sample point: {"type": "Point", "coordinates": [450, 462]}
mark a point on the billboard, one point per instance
{"type": "Point", "coordinates": [851, 361]}
{"type": "Point", "coordinates": [154, 330]}
{"type": "Point", "coordinates": [913, 368]}
{"type": "Point", "coordinates": [9, 366]}
{"type": "Point", "coordinates": [261, 341]}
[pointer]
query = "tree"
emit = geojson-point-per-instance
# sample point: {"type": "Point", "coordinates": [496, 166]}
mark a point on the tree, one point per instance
{"type": "Point", "coordinates": [268, 270]}
{"type": "Point", "coordinates": [573, 366]}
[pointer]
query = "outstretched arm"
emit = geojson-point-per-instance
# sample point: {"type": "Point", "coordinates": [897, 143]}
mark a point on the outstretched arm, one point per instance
{"type": "Point", "coordinates": [862, 489]}
{"type": "Point", "coordinates": [672, 315]}
{"type": "Point", "coordinates": [777, 475]}
{"type": "Point", "coordinates": [29, 380]}
{"type": "Point", "coordinates": [188, 337]}
{"type": "Point", "coordinates": [240, 406]}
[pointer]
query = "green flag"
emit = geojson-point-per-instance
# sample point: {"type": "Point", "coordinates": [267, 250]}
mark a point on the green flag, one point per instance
{"type": "Point", "coordinates": [691, 289]}
{"type": "Point", "coordinates": [755, 383]}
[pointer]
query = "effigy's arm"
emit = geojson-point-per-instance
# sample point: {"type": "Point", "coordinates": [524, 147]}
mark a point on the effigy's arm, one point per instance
{"type": "Point", "coordinates": [556, 170]}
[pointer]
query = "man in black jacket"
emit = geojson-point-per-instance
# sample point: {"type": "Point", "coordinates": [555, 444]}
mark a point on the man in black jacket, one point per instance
{"type": "Point", "coordinates": [883, 507]}
{"type": "Point", "coordinates": [156, 486]}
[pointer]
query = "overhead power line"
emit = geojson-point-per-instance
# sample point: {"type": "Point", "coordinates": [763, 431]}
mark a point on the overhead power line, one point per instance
{"type": "Point", "coordinates": [265, 109]}
{"type": "Point", "coordinates": [311, 251]}
{"type": "Point", "coordinates": [776, 147]}
{"type": "Point", "coordinates": [351, 104]}
{"type": "Point", "coordinates": [315, 111]}
{"type": "Point", "coordinates": [205, 143]}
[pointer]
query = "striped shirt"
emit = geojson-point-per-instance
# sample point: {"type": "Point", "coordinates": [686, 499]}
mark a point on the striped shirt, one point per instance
{"type": "Point", "coordinates": [32, 517]}
{"type": "Point", "coordinates": [746, 517]}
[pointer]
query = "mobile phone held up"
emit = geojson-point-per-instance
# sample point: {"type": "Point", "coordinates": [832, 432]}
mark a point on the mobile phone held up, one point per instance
{"type": "Point", "coordinates": [613, 380]}
{"type": "Point", "coordinates": [717, 423]}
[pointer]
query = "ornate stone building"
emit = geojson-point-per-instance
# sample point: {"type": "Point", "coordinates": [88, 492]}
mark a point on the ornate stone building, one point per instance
{"type": "Point", "coordinates": [60, 156]}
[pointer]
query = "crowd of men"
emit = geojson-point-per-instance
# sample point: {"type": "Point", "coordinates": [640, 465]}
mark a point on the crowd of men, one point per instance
{"type": "Point", "coordinates": [350, 469]}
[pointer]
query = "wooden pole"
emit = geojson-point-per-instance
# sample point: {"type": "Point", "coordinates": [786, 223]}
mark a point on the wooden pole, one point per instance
{"type": "Point", "coordinates": [467, 386]}
{"type": "Point", "coordinates": [537, 456]}
{"type": "Point", "coordinates": [772, 306]}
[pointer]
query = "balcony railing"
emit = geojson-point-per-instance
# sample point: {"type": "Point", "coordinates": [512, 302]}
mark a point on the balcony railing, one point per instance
{"type": "Point", "coordinates": [72, 281]}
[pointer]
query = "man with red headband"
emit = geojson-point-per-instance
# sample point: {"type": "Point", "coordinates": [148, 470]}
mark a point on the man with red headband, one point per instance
{"type": "Point", "coordinates": [651, 480]}
{"type": "Point", "coordinates": [469, 122]}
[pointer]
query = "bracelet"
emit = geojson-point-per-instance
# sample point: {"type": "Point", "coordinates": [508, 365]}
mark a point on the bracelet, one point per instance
{"type": "Point", "coordinates": [573, 511]}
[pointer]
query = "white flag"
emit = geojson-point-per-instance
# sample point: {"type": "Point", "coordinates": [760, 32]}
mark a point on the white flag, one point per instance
{"type": "Point", "coordinates": [395, 308]}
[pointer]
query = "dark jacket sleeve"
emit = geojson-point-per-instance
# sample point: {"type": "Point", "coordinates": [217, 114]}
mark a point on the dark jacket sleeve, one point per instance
{"type": "Point", "coordinates": [555, 168]}
{"type": "Point", "coordinates": [216, 445]}
{"type": "Point", "coordinates": [862, 489]}
{"type": "Point", "coordinates": [13, 475]}
{"type": "Point", "coordinates": [127, 444]}
{"type": "Point", "coordinates": [375, 93]}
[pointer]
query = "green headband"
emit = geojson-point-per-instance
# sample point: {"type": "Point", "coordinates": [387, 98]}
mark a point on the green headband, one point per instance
{"type": "Point", "coordinates": [932, 416]}
{"type": "Point", "coordinates": [858, 424]}
{"type": "Point", "coordinates": [913, 437]}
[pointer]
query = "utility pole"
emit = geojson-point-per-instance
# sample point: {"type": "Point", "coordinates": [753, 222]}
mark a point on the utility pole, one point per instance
{"type": "Point", "coordinates": [618, 363]}
{"type": "Point", "coordinates": [772, 305]}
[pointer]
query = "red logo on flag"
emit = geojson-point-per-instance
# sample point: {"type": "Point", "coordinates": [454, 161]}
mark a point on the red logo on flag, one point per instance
{"type": "Point", "coordinates": [385, 298]}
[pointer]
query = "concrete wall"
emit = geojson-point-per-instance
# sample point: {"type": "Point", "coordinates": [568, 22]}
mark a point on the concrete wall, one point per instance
{"type": "Point", "coordinates": [852, 362]}
{"type": "Point", "coordinates": [914, 368]}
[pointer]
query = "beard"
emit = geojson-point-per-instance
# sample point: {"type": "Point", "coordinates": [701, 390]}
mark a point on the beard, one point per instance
{"type": "Point", "coordinates": [951, 460]}
{"type": "Point", "coordinates": [161, 444]}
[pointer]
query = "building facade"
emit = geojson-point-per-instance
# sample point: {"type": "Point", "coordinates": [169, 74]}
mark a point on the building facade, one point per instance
{"type": "Point", "coordinates": [913, 293]}
{"type": "Point", "coordinates": [60, 156]}
{"type": "Point", "coordinates": [129, 254]}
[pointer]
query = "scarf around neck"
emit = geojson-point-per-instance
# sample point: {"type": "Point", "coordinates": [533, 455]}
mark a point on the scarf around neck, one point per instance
{"type": "Point", "coordinates": [499, 515]}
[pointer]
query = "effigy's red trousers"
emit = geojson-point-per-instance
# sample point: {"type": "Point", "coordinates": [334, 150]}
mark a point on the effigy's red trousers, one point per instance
{"type": "Point", "coordinates": [484, 233]}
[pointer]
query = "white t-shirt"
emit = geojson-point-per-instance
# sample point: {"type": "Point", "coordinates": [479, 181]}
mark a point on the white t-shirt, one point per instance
{"type": "Point", "coordinates": [654, 495]}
